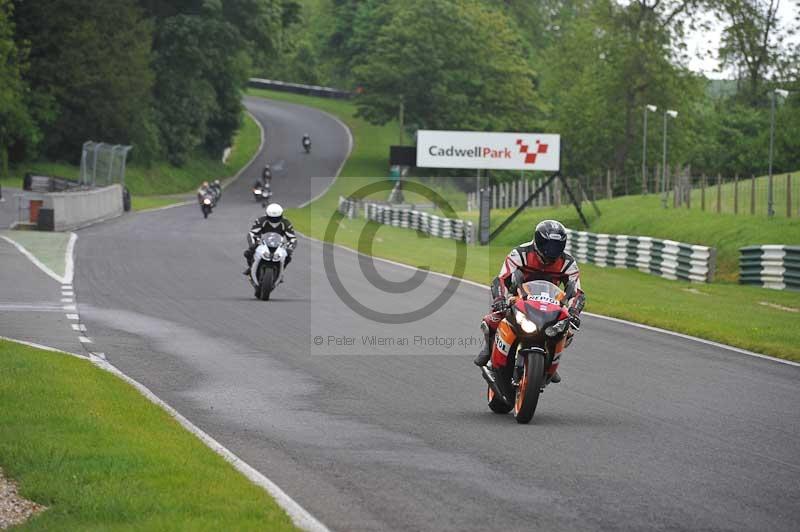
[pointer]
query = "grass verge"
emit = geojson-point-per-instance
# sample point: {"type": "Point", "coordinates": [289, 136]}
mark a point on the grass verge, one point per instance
{"type": "Point", "coordinates": [102, 457]}
{"type": "Point", "coordinates": [752, 318]}
{"type": "Point", "coordinates": [48, 247]}
{"type": "Point", "coordinates": [151, 186]}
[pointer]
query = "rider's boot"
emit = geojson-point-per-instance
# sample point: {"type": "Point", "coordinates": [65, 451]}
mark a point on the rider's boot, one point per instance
{"type": "Point", "coordinates": [486, 351]}
{"type": "Point", "coordinates": [556, 378]}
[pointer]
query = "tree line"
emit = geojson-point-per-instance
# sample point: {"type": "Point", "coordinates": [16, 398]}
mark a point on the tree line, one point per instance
{"type": "Point", "coordinates": [583, 68]}
{"type": "Point", "coordinates": [163, 75]}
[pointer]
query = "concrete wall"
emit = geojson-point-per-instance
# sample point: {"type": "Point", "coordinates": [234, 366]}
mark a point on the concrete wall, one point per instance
{"type": "Point", "coordinates": [74, 209]}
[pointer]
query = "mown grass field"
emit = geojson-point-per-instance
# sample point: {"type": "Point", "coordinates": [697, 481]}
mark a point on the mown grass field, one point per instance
{"type": "Point", "coordinates": [762, 320]}
{"type": "Point", "coordinates": [102, 457]}
{"type": "Point", "coordinates": [148, 183]}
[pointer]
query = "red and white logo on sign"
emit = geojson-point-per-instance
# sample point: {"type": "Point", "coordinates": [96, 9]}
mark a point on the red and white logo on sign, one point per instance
{"type": "Point", "coordinates": [530, 156]}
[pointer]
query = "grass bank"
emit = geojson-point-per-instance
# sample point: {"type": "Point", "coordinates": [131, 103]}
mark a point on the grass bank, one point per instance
{"type": "Point", "coordinates": [150, 184]}
{"type": "Point", "coordinates": [761, 320]}
{"type": "Point", "coordinates": [643, 215]}
{"type": "Point", "coordinates": [102, 457]}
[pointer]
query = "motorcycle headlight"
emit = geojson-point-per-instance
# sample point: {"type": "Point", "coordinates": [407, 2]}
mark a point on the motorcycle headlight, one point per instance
{"type": "Point", "coordinates": [257, 191]}
{"type": "Point", "coordinates": [527, 325]}
{"type": "Point", "coordinates": [207, 201]}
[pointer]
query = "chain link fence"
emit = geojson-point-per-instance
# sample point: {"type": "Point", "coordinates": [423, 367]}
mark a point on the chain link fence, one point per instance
{"type": "Point", "coordinates": [103, 164]}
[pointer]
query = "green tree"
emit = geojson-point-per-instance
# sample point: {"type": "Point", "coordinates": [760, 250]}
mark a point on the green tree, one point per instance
{"type": "Point", "coordinates": [92, 61]}
{"type": "Point", "coordinates": [454, 64]}
{"type": "Point", "coordinates": [15, 121]}
{"type": "Point", "coordinates": [611, 62]}
{"type": "Point", "coordinates": [752, 44]}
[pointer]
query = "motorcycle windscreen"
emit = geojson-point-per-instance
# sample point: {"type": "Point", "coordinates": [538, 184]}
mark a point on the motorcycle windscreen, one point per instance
{"type": "Point", "coordinates": [543, 291]}
{"type": "Point", "coordinates": [272, 240]}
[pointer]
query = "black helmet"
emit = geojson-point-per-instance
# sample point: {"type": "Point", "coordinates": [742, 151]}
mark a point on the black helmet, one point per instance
{"type": "Point", "coordinates": [550, 239]}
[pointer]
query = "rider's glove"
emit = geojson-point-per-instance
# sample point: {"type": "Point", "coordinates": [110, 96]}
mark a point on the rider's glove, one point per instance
{"type": "Point", "coordinates": [500, 304]}
{"type": "Point", "coordinates": [574, 318]}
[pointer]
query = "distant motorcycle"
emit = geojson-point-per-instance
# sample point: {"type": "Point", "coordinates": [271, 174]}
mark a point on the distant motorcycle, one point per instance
{"type": "Point", "coordinates": [536, 326]}
{"type": "Point", "coordinates": [307, 144]}
{"type": "Point", "coordinates": [262, 193]}
{"type": "Point", "coordinates": [207, 203]}
{"type": "Point", "coordinates": [269, 260]}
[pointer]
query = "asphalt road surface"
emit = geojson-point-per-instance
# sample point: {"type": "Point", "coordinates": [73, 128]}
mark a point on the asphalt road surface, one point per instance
{"type": "Point", "coordinates": [646, 431]}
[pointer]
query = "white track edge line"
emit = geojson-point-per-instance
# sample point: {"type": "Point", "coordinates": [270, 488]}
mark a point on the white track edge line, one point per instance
{"type": "Point", "coordinates": [299, 515]}
{"type": "Point", "coordinates": [44, 347]}
{"type": "Point", "coordinates": [601, 316]}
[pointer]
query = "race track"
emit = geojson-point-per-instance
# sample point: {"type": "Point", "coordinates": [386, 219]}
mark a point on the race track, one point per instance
{"type": "Point", "coordinates": [647, 430]}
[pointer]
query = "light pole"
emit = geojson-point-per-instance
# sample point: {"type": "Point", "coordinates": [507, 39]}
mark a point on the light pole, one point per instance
{"type": "Point", "coordinates": [673, 114]}
{"type": "Point", "coordinates": [652, 109]}
{"type": "Point", "coordinates": [775, 94]}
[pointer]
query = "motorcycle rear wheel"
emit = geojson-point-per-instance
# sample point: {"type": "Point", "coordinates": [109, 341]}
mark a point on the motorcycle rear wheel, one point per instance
{"type": "Point", "coordinates": [529, 388]}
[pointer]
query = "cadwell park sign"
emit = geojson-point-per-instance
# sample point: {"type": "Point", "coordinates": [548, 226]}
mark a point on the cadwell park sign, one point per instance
{"type": "Point", "coordinates": [478, 150]}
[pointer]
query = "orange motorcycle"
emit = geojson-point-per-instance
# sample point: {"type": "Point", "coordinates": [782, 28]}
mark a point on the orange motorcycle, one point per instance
{"type": "Point", "coordinates": [531, 337]}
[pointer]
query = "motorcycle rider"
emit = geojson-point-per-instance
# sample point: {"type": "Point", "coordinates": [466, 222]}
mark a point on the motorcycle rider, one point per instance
{"type": "Point", "coordinates": [202, 191]}
{"type": "Point", "coordinates": [216, 189]}
{"type": "Point", "coordinates": [306, 141]}
{"type": "Point", "coordinates": [266, 178]}
{"type": "Point", "coordinates": [273, 221]}
{"type": "Point", "coordinates": [543, 258]}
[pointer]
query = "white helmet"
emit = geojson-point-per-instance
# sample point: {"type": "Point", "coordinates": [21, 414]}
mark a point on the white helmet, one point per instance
{"type": "Point", "coordinates": [274, 214]}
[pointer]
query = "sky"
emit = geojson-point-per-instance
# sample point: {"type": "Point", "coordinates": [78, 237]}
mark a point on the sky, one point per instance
{"type": "Point", "coordinates": [701, 42]}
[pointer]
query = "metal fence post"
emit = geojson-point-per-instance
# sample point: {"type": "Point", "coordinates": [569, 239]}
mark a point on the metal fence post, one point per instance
{"type": "Point", "coordinates": [789, 195]}
{"type": "Point", "coordinates": [719, 193]}
{"type": "Point", "coordinates": [752, 194]}
{"type": "Point", "coordinates": [736, 194]}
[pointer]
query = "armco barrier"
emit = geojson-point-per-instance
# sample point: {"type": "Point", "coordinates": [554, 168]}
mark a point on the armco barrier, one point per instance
{"type": "Point", "coordinates": [771, 266]}
{"type": "Point", "coordinates": [68, 210]}
{"type": "Point", "coordinates": [410, 219]}
{"type": "Point", "coordinates": [667, 258]}
{"type": "Point", "coordinates": [297, 88]}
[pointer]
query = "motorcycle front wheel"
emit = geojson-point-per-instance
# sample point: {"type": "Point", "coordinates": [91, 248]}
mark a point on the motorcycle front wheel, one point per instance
{"type": "Point", "coordinates": [265, 284]}
{"type": "Point", "coordinates": [206, 210]}
{"type": "Point", "coordinates": [529, 388]}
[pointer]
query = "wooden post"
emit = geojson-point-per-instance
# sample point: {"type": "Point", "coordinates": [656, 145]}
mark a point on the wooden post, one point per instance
{"type": "Point", "coordinates": [644, 183]}
{"type": "Point", "coordinates": [689, 191]}
{"type": "Point", "coordinates": [736, 194]}
{"type": "Point", "coordinates": [789, 196]}
{"type": "Point", "coordinates": [719, 193]}
{"type": "Point", "coordinates": [703, 193]}
{"type": "Point", "coordinates": [752, 194]}
{"type": "Point", "coordinates": [608, 184]}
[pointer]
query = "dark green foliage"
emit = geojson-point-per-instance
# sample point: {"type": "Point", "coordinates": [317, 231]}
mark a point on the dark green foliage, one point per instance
{"type": "Point", "coordinates": [16, 124]}
{"type": "Point", "coordinates": [90, 67]}
{"type": "Point", "coordinates": [455, 64]}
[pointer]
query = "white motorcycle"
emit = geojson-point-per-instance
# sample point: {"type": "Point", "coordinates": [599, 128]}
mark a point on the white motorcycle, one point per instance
{"type": "Point", "coordinates": [269, 260]}
{"type": "Point", "coordinates": [262, 193]}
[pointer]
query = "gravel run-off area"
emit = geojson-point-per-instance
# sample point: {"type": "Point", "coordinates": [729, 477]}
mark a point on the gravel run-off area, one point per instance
{"type": "Point", "coordinates": [13, 508]}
